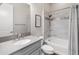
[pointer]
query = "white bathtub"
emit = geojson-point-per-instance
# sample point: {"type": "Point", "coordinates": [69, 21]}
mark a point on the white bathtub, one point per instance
{"type": "Point", "coordinates": [60, 45]}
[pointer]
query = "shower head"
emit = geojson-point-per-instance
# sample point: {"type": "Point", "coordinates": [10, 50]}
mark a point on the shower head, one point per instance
{"type": "Point", "coordinates": [50, 16]}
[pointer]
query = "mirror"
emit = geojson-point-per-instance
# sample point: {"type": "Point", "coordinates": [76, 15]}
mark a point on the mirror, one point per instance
{"type": "Point", "coordinates": [6, 20]}
{"type": "Point", "coordinates": [21, 18]}
{"type": "Point", "coordinates": [14, 18]}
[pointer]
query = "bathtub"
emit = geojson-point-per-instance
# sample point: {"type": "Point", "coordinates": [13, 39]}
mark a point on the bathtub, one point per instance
{"type": "Point", "coordinates": [60, 45]}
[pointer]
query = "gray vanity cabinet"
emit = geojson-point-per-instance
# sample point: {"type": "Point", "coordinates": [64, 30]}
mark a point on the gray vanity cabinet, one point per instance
{"type": "Point", "coordinates": [32, 49]}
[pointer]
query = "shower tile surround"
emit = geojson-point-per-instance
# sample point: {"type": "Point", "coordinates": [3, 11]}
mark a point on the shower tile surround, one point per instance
{"type": "Point", "coordinates": [59, 28]}
{"type": "Point", "coordinates": [60, 24]}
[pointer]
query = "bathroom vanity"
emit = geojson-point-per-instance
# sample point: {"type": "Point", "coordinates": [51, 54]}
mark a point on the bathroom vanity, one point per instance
{"type": "Point", "coordinates": [32, 47]}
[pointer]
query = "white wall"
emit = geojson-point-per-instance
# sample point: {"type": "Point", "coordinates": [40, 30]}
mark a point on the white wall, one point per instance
{"type": "Point", "coordinates": [38, 8]}
{"type": "Point", "coordinates": [60, 25]}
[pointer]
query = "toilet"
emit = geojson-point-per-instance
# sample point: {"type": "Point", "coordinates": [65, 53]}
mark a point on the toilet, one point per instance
{"type": "Point", "coordinates": [47, 49]}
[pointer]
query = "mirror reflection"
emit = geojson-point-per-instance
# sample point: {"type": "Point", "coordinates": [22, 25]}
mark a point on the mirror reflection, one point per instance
{"type": "Point", "coordinates": [14, 20]}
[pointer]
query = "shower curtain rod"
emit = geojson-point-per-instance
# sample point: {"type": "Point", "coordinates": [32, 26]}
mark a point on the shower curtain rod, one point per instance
{"type": "Point", "coordinates": [61, 9]}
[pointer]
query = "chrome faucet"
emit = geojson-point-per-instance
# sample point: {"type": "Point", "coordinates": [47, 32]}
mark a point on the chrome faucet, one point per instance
{"type": "Point", "coordinates": [18, 36]}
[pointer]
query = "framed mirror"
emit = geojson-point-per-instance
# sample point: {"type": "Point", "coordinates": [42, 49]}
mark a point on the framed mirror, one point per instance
{"type": "Point", "coordinates": [37, 21]}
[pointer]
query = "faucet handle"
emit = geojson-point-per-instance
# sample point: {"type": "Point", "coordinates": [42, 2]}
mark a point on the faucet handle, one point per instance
{"type": "Point", "coordinates": [19, 34]}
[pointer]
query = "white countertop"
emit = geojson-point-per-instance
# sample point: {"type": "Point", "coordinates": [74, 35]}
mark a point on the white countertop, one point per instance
{"type": "Point", "coordinates": [8, 47]}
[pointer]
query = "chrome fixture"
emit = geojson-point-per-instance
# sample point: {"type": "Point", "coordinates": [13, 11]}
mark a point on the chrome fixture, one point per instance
{"type": "Point", "coordinates": [49, 17]}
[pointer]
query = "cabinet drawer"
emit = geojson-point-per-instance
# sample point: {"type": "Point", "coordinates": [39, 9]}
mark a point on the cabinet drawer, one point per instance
{"type": "Point", "coordinates": [29, 49]}
{"type": "Point", "coordinates": [32, 48]}
{"type": "Point", "coordinates": [37, 52]}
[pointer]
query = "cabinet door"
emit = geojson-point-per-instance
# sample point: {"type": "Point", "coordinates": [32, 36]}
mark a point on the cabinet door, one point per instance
{"type": "Point", "coordinates": [29, 49]}
{"type": "Point", "coordinates": [34, 47]}
{"type": "Point", "coordinates": [37, 52]}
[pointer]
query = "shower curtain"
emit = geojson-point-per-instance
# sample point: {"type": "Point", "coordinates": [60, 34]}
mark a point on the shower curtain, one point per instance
{"type": "Point", "coordinates": [73, 46]}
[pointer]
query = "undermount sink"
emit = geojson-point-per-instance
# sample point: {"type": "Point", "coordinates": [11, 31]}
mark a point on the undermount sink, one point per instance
{"type": "Point", "coordinates": [22, 42]}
